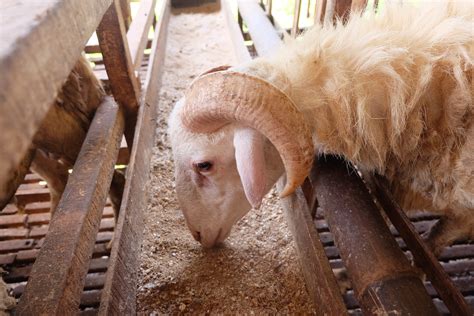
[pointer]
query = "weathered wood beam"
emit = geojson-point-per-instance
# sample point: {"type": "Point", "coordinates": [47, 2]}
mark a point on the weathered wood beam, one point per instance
{"type": "Point", "coordinates": [119, 293]}
{"type": "Point", "coordinates": [137, 34]}
{"type": "Point", "coordinates": [264, 36]}
{"type": "Point", "coordinates": [57, 278]}
{"type": "Point", "coordinates": [424, 258]}
{"type": "Point", "coordinates": [383, 279]}
{"type": "Point", "coordinates": [35, 36]}
{"type": "Point", "coordinates": [123, 79]}
{"type": "Point", "coordinates": [320, 281]}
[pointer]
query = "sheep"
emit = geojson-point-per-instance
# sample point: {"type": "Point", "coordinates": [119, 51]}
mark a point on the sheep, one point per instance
{"type": "Point", "coordinates": [57, 143]}
{"type": "Point", "coordinates": [392, 93]}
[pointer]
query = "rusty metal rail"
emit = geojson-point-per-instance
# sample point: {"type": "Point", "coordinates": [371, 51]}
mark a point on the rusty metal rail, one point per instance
{"type": "Point", "coordinates": [383, 279]}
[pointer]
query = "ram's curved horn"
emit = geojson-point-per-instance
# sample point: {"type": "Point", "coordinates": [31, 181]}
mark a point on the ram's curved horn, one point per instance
{"type": "Point", "coordinates": [222, 97]}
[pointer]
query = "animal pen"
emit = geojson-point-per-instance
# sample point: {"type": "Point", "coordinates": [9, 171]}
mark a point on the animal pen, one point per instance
{"type": "Point", "coordinates": [63, 266]}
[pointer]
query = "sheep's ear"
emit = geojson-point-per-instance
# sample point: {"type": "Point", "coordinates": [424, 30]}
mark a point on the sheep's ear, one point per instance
{"type": "Point", "coordinates": [250, 159]}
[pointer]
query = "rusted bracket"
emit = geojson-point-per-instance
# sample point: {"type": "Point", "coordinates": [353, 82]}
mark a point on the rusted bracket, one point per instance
{"type": "Point", "coordinates": [58, 275]}
{"type": "Point", "coordinates": [424, 258]}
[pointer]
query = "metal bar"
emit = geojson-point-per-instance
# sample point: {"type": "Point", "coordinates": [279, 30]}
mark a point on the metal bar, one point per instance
{"type": "Point", "coordinates": [34, 36]}
{"type": "Point", "coordinates": [119, 293]}
{"type": "Point", "coordinates": [57, 277]}
{"type": "Point", "coordinates": [383, 279]}
{"type": "Point", "coordinates": [296, 18]}
{"type": "Point", "coordinates": [240, 50]}
{"type": "Point", "coordinates": [424, 258]}
{"type": "Point", "coordinates": [264, 36]}
{"type": "Point", "coordinates": [319, 11]}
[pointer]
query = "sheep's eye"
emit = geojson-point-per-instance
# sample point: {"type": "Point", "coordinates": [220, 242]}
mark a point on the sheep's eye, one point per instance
{"type": "Point", "coordinates": [204, 166]}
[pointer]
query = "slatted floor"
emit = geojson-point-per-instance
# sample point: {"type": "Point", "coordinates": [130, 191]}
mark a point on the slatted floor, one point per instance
{"type": "Point", "coordinates": [22, 233]}
{"type": "Point", "coordinates": [457, 260]}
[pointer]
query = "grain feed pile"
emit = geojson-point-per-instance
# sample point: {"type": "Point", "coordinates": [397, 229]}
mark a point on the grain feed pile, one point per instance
{"type": "Point", "coordinates": [257, 270]}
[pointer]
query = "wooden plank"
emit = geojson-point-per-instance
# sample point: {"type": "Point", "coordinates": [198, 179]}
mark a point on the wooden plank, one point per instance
{"type": "Point", "coordinates": [31, 178]}
{"type": "Point", "coordinates": [90, 298]}
{"type": "Point", "coordinates": [29, 255]}
{"type": "Point", "coordinates": [264, 36]}
{"type": "Point", "coordinates": [39, 219]}
{"type": "Point", "coordinates": [296, 18]}
{"type": "Point", "coordinates": [57, 291]}
{"type": "Point", "coordinates": [119, 294]}
{"type": "Point", "coordinates": [123, 80]}
{"type": "Point", "coordinates": [7, 258]}
{"type": "Point", "coordinates": [15, 245]}
{"type": "Point", "coordinates": [37, 207]}
{"type": "Point", "coordinates": [137, 35]}
{"type": "Point", "coordinates": [9, 210]}
{"type": "Point", "coordinates": [319, 278]}
{"type": "Point", "coordinates": [13, 220]}
{"type": "Point", "coordinates": [32, 195]}
{"type": "Point", "coordinates": [35, 36]}
{"type": "Point", "coordinates": [240, 50]}
{"type": "Point", "coordinates": [424, 258]}
{"type": "Point", "coordinates": [93, 281]}
{"type": "Point", "coordinates": [23, 273]}
{"type": "Point", "coordinates": [13, 233]}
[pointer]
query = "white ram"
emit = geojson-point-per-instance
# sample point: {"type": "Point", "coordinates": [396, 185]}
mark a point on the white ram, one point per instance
{"type": "Point", "coordinates": [392, 92]}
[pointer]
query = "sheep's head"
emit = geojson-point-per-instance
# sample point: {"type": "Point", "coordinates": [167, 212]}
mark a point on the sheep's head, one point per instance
{"type": "Point", "coordinates": [228, 134]}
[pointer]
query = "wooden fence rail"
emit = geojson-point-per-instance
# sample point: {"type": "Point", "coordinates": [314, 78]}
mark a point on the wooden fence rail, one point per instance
{"type": "Point", "coordinates": [58, 275]}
